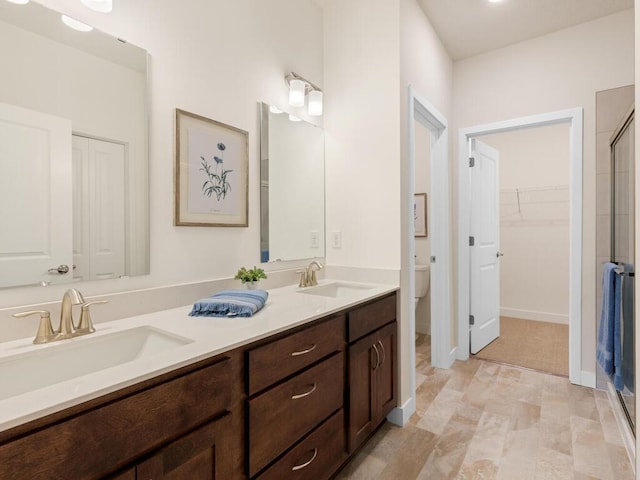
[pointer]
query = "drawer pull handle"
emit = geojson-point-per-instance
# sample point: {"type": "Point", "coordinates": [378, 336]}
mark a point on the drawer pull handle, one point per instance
{"type": "Point", "coordinates": [295, 468]}
{"type": "Point", "coordinates": [375, 349]}
{"type": "Point", "coordinates": [384, 354]}
{"type": "Point", "coordinates": [304, 352]}
{"type": "Point", "coordinates": [305, 394]}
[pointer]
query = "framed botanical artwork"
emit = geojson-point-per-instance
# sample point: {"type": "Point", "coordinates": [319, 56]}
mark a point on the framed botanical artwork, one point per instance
{"type": "Point", "coordinates": [211, 173]}
{"type": "Point", "coordinates": [420, 214]}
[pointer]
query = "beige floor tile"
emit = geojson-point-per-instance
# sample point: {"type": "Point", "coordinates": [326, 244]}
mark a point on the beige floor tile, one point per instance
{"type": "Point", "coordinates": [590, 454]}
{"type": "Point", "coordinates": [553, 465]}
{"type": "Point", "coordinates": [482, 420]}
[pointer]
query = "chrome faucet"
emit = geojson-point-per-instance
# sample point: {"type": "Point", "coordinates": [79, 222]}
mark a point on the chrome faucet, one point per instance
{"type": "Point", "coordinates": [308, 274]}
{"type": "Point", "coordinates": [67, 328]}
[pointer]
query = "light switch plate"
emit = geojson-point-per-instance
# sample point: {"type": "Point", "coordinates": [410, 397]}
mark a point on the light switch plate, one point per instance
{"type": "Point", "coordinates": [314, 239]}
{"type": "Point", "coordinates": [336, 239]}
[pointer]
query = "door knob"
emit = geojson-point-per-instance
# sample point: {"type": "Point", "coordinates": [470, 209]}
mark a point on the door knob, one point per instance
{"type": "Point", "coordinates": [61, 269]}
{"type": "Point", "coordinates": [499, 254]}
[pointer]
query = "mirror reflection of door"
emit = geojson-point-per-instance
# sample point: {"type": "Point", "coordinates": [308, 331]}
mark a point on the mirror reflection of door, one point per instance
{"type": "Point", "coordinates": [35, 181]}
{"type": "Point", "coordinates": [98, 209]}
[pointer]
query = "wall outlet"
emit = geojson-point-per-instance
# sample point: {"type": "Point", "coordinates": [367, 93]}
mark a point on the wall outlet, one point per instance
{"type": "Point", "coordinates": [314, 239]}
{"type": "Point", "coordinates": [336, 239]}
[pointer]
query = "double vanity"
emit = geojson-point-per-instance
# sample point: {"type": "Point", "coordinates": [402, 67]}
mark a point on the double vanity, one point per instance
{"type": "Point", "coordinates": [291, 392]}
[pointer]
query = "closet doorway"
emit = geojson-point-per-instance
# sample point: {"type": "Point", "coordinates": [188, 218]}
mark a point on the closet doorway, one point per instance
{"type": "Point", "coordinates": [533, 218]}
{"type": "Point", "coordinates": [573, 118]}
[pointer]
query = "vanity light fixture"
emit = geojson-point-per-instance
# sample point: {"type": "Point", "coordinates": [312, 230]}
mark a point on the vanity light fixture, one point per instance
{"type": "Point", "coordinates": [102, 6]}
{"type": "Point", "coordinates": [299, 87]}
{"type": "Point", "coordinates": [75, 24]}
{"type": "Point", "coordinates": [19, 2]}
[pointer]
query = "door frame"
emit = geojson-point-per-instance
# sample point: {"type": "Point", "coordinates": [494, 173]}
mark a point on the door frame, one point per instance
{"type": "Point", "coordinates": [574, 117]}
{"type": "Point", "coordinates": [422, 111]}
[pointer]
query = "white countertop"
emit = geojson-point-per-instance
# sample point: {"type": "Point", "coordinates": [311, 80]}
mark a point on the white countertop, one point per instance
{"type": "Point", "coordinates": [285, 308]}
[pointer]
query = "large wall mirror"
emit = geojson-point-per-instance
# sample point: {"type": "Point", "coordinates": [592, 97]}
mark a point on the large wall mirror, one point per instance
{"type": "Point", "coordinates": [291, 188]}
{"type": "Point", "coordinates": [73, 152]}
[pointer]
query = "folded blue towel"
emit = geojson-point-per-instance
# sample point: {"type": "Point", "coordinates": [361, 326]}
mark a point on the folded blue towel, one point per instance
{"type": "Point", "coordinates": [628, 331]}
{"type": "Point", "coordinates": [617, 334]}
{"type": "Point", "coordinates": [605, 347]}
{"type": "Point", "coordinates": [230, 303]}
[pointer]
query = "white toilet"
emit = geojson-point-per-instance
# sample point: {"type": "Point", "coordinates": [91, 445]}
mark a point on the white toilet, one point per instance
{"type": "Point", "coordinates": [422, 282]}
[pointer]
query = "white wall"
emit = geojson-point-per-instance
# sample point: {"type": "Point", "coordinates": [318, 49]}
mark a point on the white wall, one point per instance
{"type": "Point", "coordinates": [215, 58]}
{"type": "Point", "coordinates": [554, 72]}
{"type": "Point", "coordinates": [424, 64]}
{"type": "Point", "coordinates": [362, 131]}
{"type": "Point", "coordinates": [534, 222]}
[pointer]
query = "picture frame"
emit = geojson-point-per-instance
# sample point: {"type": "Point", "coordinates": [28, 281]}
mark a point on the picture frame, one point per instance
{"type": "Point", "coordinates": [211, 173]}
{"type": "Point", "coordinates": [420, 214]}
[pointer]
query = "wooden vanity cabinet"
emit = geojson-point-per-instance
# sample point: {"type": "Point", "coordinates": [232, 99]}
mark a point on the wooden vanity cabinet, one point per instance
{"type": "Point", "coordinates": [300, 383]}
{"type": "Point", "coordinates": [371, 368]}
{"type": "Point", "coordinates": [176, 415]}
{"type": "Point", "coordinates": [293, 406]}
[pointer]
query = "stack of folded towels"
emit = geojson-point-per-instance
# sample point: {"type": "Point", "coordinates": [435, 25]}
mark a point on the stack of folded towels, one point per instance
{"type": "Point", "coordinates": [230, 303]}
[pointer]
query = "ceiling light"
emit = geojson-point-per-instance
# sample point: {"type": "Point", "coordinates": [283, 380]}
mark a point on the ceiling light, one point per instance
{"type": "Point", "coordinates": [75, 24]}
{"type": "Point", "coordinates": [495, 1]}
{"type": "Point", "coordinates": [102, 6]}
{"type": "Point", "coordinates": [19, 2]}
{"type": "Point", "coordinates": [299, 87]}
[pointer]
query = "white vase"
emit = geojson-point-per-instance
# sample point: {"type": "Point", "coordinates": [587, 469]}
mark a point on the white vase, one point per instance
{"type": "Point", "coordinates": [252, 285]}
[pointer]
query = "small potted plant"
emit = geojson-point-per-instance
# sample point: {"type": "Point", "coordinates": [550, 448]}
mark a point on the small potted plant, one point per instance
{"type": "Point", "coordinates": [251, 277]}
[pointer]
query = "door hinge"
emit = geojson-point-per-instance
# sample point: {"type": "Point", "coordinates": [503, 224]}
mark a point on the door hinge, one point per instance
{"type": "Point", "coordinates": [472, 320]}
{"type": "Point", "coordinates": [472, 241]}
{"type": "Point", "coordinates": [472, 162]}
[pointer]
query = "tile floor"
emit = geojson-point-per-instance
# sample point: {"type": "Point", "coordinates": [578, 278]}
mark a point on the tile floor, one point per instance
{"type": "Point", "coordinates": [482, 420]}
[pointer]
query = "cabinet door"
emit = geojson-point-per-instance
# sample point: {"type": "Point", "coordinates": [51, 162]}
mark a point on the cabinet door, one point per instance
{"type": "Point", "coordinates": [362, 359]}
{"type": "Point", "coordinates": [202, 454]}
{"type": "Point", "coordinates": [384, 383]}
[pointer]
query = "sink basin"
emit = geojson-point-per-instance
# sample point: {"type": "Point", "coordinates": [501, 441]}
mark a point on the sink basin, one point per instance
{"type": "Point", "coordinates": [68, 359]}
{"type": "Point", "coordinates": [336, 289]}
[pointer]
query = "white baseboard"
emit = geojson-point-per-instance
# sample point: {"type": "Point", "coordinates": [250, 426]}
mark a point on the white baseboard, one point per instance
{"type": "Point", "coordinates": [400, 415]}
{"type": "Point", "coordinates": [533, 315]}
{"type": "Point", "coordinates": [588, 379]}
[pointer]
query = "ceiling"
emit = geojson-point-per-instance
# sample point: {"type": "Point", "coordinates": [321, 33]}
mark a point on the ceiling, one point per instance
{"type": "Point", "coordinates": [471, 27]}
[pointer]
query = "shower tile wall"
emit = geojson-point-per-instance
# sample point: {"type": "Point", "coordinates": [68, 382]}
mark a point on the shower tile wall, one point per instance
{"type": "Point", "coordinates": [611, 106]}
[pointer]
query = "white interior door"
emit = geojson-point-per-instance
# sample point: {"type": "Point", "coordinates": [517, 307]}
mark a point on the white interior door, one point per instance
{"type": "Point", "coordinates": [485, 251]}
{"type": "Point", "coordinates": [99, 232]}
{"type": "Point", "coordinates": [35, 184]}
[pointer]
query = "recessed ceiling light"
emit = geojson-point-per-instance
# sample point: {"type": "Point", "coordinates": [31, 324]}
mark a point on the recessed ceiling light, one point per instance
{"type": "Point", "coordinates": [19, 2]}
{"type": "Point", "coordinates": [494, 1]}
{"type": "Point", "coordinates": [75, 24]}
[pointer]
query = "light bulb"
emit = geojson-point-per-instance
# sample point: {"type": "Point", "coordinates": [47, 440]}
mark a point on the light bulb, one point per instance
{"type": "Point", "coordinates": [315, 103]}
{"type": "Point", "coordinates": [296, 93]}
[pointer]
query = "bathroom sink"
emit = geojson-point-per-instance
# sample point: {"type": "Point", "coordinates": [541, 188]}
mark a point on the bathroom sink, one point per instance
{"type": "Point", "coordinates": [68, 359]}
{"type": "Point", "coordinates": [336, 289]}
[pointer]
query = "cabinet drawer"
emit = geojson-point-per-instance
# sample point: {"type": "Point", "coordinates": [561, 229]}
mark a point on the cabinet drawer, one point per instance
{"type": "Point", "coordinates": [316, 456]}
{"type": "Point", "coordinates": [281, 358]}
{"type": "Point", "coordinates": [366, 319]}
{"type": "Point", "coordinates": [282, 415]}
{"type": "Point", "coordinates": [84, 447]}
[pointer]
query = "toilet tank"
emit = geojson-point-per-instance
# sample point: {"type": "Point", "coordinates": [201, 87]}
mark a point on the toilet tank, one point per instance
{"type": "Point", "coordinates": [422, 280]}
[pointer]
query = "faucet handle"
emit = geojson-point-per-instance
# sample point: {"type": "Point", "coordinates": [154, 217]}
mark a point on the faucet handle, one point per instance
{"type": "Point", "coordinates": [303, 277]}
{"type": "Point", "coordinates": [45, 330]}
{"type": "Point", "coordinates": [86, 324]}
